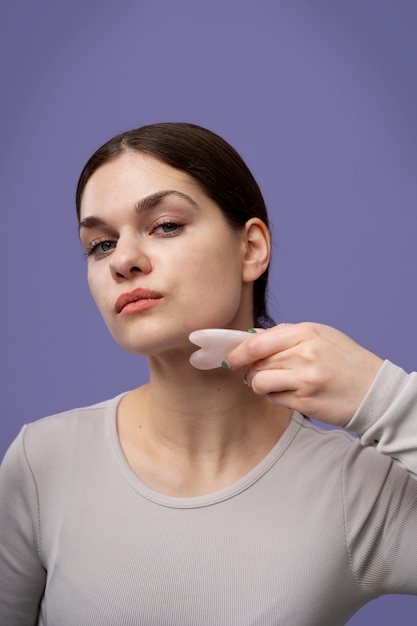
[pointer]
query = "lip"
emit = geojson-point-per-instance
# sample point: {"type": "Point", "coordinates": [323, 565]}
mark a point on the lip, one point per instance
{"type": "Point", "coordinates": [140, 299]}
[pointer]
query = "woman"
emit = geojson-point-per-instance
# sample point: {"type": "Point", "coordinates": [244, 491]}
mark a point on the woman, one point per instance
{"type": "Point", "coordinates": [206, 497]}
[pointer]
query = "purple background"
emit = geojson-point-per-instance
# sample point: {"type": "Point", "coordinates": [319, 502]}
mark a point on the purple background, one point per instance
{"type": "Point", "coordinates": [319, 97]}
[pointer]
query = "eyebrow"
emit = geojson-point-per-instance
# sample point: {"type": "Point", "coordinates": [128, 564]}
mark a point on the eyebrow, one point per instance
{"type": "Point", "coordinates": [142, 205]}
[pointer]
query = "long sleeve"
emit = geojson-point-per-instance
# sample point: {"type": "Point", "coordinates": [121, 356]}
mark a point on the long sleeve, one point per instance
{"type": "Point", "coordinates": [22, 577]}
{"type": "Point", "coordinates": [336, 517]}
{"type": "Point", "coordinates": [380, 497]}
{"type": "Point", "coordinates": [387, 417]}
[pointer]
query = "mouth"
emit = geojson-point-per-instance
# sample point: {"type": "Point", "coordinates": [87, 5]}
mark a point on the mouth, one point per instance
{"type": "Point", "coordinates": [135, 301]}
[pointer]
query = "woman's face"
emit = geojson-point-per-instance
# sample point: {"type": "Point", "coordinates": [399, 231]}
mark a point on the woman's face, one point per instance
{"type": "Point", "coordinates": [162, 260]}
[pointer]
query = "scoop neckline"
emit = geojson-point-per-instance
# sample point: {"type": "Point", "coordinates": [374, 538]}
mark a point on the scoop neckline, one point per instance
{"type": "Point", "coordinates": [205, 500]}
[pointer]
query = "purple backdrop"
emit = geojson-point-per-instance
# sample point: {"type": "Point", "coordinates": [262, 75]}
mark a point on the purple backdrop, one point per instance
{"type": "Point", "coordinates": [320, 99]}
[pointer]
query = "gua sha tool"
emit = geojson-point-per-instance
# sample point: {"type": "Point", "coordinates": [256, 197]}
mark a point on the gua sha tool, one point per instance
{"type": "Point", "coordinates": [214, 344]}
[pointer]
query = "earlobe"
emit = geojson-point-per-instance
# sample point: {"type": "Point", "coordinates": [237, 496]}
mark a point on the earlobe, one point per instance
{"type": "Point", "coordinates": [257, 251]}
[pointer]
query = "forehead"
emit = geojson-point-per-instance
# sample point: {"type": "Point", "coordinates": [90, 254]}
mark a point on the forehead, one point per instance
{"type": "Point", "coordinates": [132, 176]}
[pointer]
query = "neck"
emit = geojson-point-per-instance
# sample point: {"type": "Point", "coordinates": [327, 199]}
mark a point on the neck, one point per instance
{"type": "Point", "coordinates": [199, 410]}
{"type": "Point", "coordinates": [190, 432]}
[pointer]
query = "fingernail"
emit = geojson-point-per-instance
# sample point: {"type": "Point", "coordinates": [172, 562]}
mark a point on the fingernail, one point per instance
{"type": "Point", "coordinates": [252, 330]}
{"type": "Point", "coordinates": [225, 365]}
{"type": "Point", "coordinates": [245, 380]}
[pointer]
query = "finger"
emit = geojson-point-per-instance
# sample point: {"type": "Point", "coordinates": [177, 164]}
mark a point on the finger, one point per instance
{"type": "Point", "coordinates": [283, 399]}
{"type": "Point", "coordinates": [291, 358]}
{"type": "Point", "coordinates": [263, 382]}
{"type": "Point", "coordinates": [283, 390]}
{"type": "Point", "coordinates": [263, 345]}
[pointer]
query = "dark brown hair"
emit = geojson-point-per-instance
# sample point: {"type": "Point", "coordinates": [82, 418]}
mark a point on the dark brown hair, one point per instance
{"type": "Point", "coordinates": [212, 162]}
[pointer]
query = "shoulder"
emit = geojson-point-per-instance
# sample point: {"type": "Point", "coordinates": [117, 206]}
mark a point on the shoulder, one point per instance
{"type": "Point", "coordinates": [70, 418]}
{"type": "Point", "coordinates": [57, 439]}
{"type": "Point", "coordinates": [318, 440]}
{"type": "Point", "coordinates": [364, 475]}
{"type": "Point", "coordinates": [336, 452]}
{"type": "Point", "coordinates": [69, 423]}
{"type": "Point", "coordinates": [372, 490]}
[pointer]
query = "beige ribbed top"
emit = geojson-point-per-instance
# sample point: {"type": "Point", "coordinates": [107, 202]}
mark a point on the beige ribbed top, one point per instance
{"type": "Point", "coordinates": [323, 524]}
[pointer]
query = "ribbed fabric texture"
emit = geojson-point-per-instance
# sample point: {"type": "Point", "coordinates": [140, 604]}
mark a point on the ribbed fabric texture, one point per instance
{"type": "Point", "coordinates": [307, 537]}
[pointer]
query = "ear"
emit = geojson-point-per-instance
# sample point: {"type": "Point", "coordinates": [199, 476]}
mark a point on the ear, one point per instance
{"type": "Point", "coordinates": [257, 249]}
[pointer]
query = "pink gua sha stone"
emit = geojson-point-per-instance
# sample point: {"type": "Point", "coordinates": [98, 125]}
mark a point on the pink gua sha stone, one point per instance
{"type": "Point", "coordinates": [214, 344]}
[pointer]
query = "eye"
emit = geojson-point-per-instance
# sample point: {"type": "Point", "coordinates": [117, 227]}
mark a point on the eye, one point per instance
{"type": "Point", "coordinates": [167, 228]}
{"type": "Point", "coordinates": [100, 248]}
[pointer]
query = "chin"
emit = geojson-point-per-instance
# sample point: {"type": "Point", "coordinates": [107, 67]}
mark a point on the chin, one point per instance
{"type": "Point", "coordinates": [153, 344]}
{"type": "Point", "coordinates": [153, 338]}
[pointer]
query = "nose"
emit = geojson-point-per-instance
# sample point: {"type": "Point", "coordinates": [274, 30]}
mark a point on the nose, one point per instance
{"type": "Point", "coordinates": [128, 258]}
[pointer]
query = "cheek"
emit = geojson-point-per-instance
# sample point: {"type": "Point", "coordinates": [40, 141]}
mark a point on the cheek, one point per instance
{"type": "Point", "coordinates": [97, 291]}
{"type": "Point", "coordinates": [212, 260]}
{"type": "Point", "coordinates": [213, 276]}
